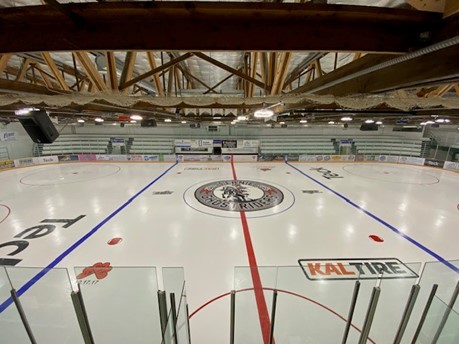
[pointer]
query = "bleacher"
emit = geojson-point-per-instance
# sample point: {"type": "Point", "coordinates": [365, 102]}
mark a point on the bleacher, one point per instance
{"type": "Point", "coordinates": [297, 145]}
{"type": "Point", "coordinates": [75, 144]}
{"type": "Point", "coordinates": [151, 145]}
{"type": "Point", "coordinates": [389, 146]}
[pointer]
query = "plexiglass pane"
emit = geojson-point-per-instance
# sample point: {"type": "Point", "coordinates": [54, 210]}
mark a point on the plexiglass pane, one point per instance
{"type": "Point", "coordinates": [121, 303]}
{"type": "Point", "coordinates": [448, 333]}
{"type": "Point", "coordinates": [11, 329]}
{"type": "Point", "coordinates": [48, 305]}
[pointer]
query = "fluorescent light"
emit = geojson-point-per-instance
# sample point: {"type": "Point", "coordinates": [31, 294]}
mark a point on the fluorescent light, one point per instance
{"type": "Point", "coordinates": [429, 122]}
{"type": "Point", "coordinates": [183, 122]}
{"type": "Point", "coordinates": [303, 121]}
{"type": "Point", "coordinates": [80, 121]}
{"type": "Point", "coordinates": [136, 117]}
{"type": "Point", "coordinates": [440, 120]}
{"type": "Point", "coordinates": [113, 123]}
{"type": "Point", "coordinates": [241, 118]}
{"type": "Point", "coordinates": [217, 117]}
{"type": "Point", "coordinates": [369, 121]}
{"type": "Point", "coordinates": [98, 119]}
{"type": "Point", "coordinates": [378, 122]}
{"type": "Point", "coordinates": [331, 122]}
{"type": "Point", "coordinates": [25, 111]}
{"type": "Point", "coordinates": [133, 121]}
{"type": "Point", "coordinates": [447, 121]}
{"type": "Point", "coordinates": [168, 120]}
{"type": "Point", "coordinates": [346, 119]}
{"type": "Point", "coordinates": [234, 122]}
{"type": "Point", "coordinates": [281, 122]}
{"type": "Point", "coordinates": [263, 113]}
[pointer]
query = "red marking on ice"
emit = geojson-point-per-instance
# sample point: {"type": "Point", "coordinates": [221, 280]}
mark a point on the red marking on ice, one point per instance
{"type": "Point", "coordinates": [376, 238]}
{"type": "Point", "coordinates": [269, 191]}
{"type": "Point", "coordinates": [114, 241]}
{"type": "Point", "coordinates": [386, 172]}
{"type": "Point", "coordinates": [101, 270]}
{"type": "Point", "coordinates": [206, 191]}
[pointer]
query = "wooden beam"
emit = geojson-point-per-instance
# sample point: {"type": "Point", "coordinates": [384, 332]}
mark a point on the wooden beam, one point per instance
{"type": "Point", "coordinates": [112, 75]}
{"type": "Point", "coordinates": [91, 70]}
{"type": "Point", "coordinates": [57, 75]}
{"type": "Point", "coordinates": [4, 61]}
{"type": "Point", "coordinates": [451, 8]}
{"type": "Point", "coordinates": [212, 89]}
{"type": "Point", "coordinates": [344, 71]}
{"type": "Point", "coordinates": [155, 71]}
{"type": "Point", "coordinates": [428, 5]}
{"type": "Point", "coordinates": [230, 69]}
{"type": "Point", "coordinates": [156, 80]}
{"type": "Point", "coordinates": [26, 87]}
{"type": "Point", "coordinates": [253, 72]}
{"type": "Point", "coordinates": [456, 88]}
{"type": "Point", "coordinates": [440, 91]}
{"type": "Point", "coordinates": [215, 26]}
{"type": "Point", "coordinates": [436, 68]}
{"type": "Point", "coordinates": [23, 70]}
{"type": "Point", "coordinates": [128, 69]}
{"type": "Point", "coordinates": [281, 73]}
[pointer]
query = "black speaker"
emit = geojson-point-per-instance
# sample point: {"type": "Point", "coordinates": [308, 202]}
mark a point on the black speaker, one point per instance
{"type": "Point", "coordinates": [39, 126]}
{"type": "Point", "coordinates": [122, 125]}
{"type": "Point", "coordinates": [148, 123]}
{"type": "Point", "coordinates": [369, 127]}
{"type": "Point", "coordinates": [346, 125]}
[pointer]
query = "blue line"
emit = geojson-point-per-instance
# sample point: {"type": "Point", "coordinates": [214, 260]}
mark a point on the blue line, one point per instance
{"type": "Point", "coordinates": [392, 228]}
{"type": "Point", "coordinates": [56, 261]}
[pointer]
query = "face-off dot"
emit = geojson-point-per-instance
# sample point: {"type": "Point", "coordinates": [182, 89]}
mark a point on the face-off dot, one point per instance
{"type": "Point", "coordinates": [376, 238]}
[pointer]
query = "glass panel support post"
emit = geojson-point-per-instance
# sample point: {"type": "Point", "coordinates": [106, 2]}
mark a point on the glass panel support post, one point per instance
{"type": "Point", "coordinates": [26, 324]}
{"type": "Point", "coordinates": [232, 315]}
{"type": "Point", "coordinates": [162, 304]}
{"type": "Point", "coordinates": [273, 317]}
{"type": "Point", "coordinates": [370, 315]}
{"type": "Point", "coordinates": [174, 317]}
{"type": "Point", "coordinates": [424, 313]}
{"type": "Point", "coordinates": [351, 312]}
{"type": "Point", "coordinates": [407, 313]}
{"type": "Point", "coordinates": [82, 317]}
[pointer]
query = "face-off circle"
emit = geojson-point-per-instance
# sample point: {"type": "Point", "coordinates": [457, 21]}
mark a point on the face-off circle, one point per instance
{"type": "Point", "coordinates": [229, 197]}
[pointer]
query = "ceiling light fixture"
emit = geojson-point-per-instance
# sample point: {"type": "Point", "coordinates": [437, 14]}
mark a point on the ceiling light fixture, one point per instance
{"type": "Point", "coordinates": [331, 122]}
{"type": "Point", "coordinates": [242, 118]}
{"type": "Point", "coordinates": [303, 121]}
{"type": "Point", "coordinates": [98, 119]}
{"type": "Point", "coordinates": [25, 111]}
{"type": "Point", "coordinates": [369, 121]}
{"type": "Point", "coordinates": [378, 122]}
{"type": "Point", "coordinates": [136, 117]}
{"type": "Point", "coordinates": [346, 119]}
{"type": "Point", "coordinates": [264, 113]}
{"type": "Point", "coordinates": [80, 121]}
{"type": "Point", "coordinates": [133, 121]}
{"type": "Point", "coordinates": [168, 120]}
{"type": "Point", "coordinates": [183, 122]}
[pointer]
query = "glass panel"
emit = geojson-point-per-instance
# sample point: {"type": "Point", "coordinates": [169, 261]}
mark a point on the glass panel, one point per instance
{"type": "Point", "coordinates": [48, 305]}
{"type": "Point", "coordinates": [253, 306]}
{"type": "Point", "coordinates": [445, 277]}
{"type": "Point", "coordinates": [311, 311]}
{"type": "Point", "coordinates": [182, 319]}
{"type": "Point", "coordinates": [122, 303]}
{"type": "Point", "coordinates": [450, 332]}
{"type": "Point", "coordinates": [11, 329]}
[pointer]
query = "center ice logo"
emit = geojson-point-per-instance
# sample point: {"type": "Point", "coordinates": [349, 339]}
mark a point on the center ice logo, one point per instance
{"type": "Point", "coordinates": [239, 195]}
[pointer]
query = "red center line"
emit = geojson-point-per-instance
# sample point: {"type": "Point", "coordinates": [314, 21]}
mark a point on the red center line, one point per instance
{"type": "Point", "coordinates": [263, 314]}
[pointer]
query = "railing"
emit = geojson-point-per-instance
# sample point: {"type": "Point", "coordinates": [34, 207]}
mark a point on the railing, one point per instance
{"type": "Point", "coordinates": [103, 304]}
{"type": "Point", "coordinates": [98, 304]}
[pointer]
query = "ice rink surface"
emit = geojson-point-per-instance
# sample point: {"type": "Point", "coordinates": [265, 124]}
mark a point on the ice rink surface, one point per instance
{"type": "Point", "coordinates": [184, 215]}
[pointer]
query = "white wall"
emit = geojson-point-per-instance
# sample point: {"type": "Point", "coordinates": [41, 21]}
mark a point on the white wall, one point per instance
{"type": "Point", "coordinates": [22, 146]}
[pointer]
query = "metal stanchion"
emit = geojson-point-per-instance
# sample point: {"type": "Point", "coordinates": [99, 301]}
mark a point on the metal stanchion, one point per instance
{"type": "Point", "coordinates": [174, 317]}
{"type": "Point", "coordinates": [407, 313]}
{"type": "Point", "coordinates": [82, 316]}
{"type": "Point", "coordinates": [446, 315]}
{"type": "Point", "coordinates": [232, 315]}
{"type": "Point", "coordinates": [370, 315]}
{"type": "Point", "coordinates": [351, 311]}
{"type": "Point", "coordinates": [424, 313]}
{"type": "Point", "coordinates": [23, 316]}
{"type": "Point", "coordinates": [162, 304]}
{"type": "Point", "coordinates": [273, 317]}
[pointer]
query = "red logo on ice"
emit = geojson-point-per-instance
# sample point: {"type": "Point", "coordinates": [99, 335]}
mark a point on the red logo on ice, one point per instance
{"type": "Point", "coordinates": [101, 271]}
